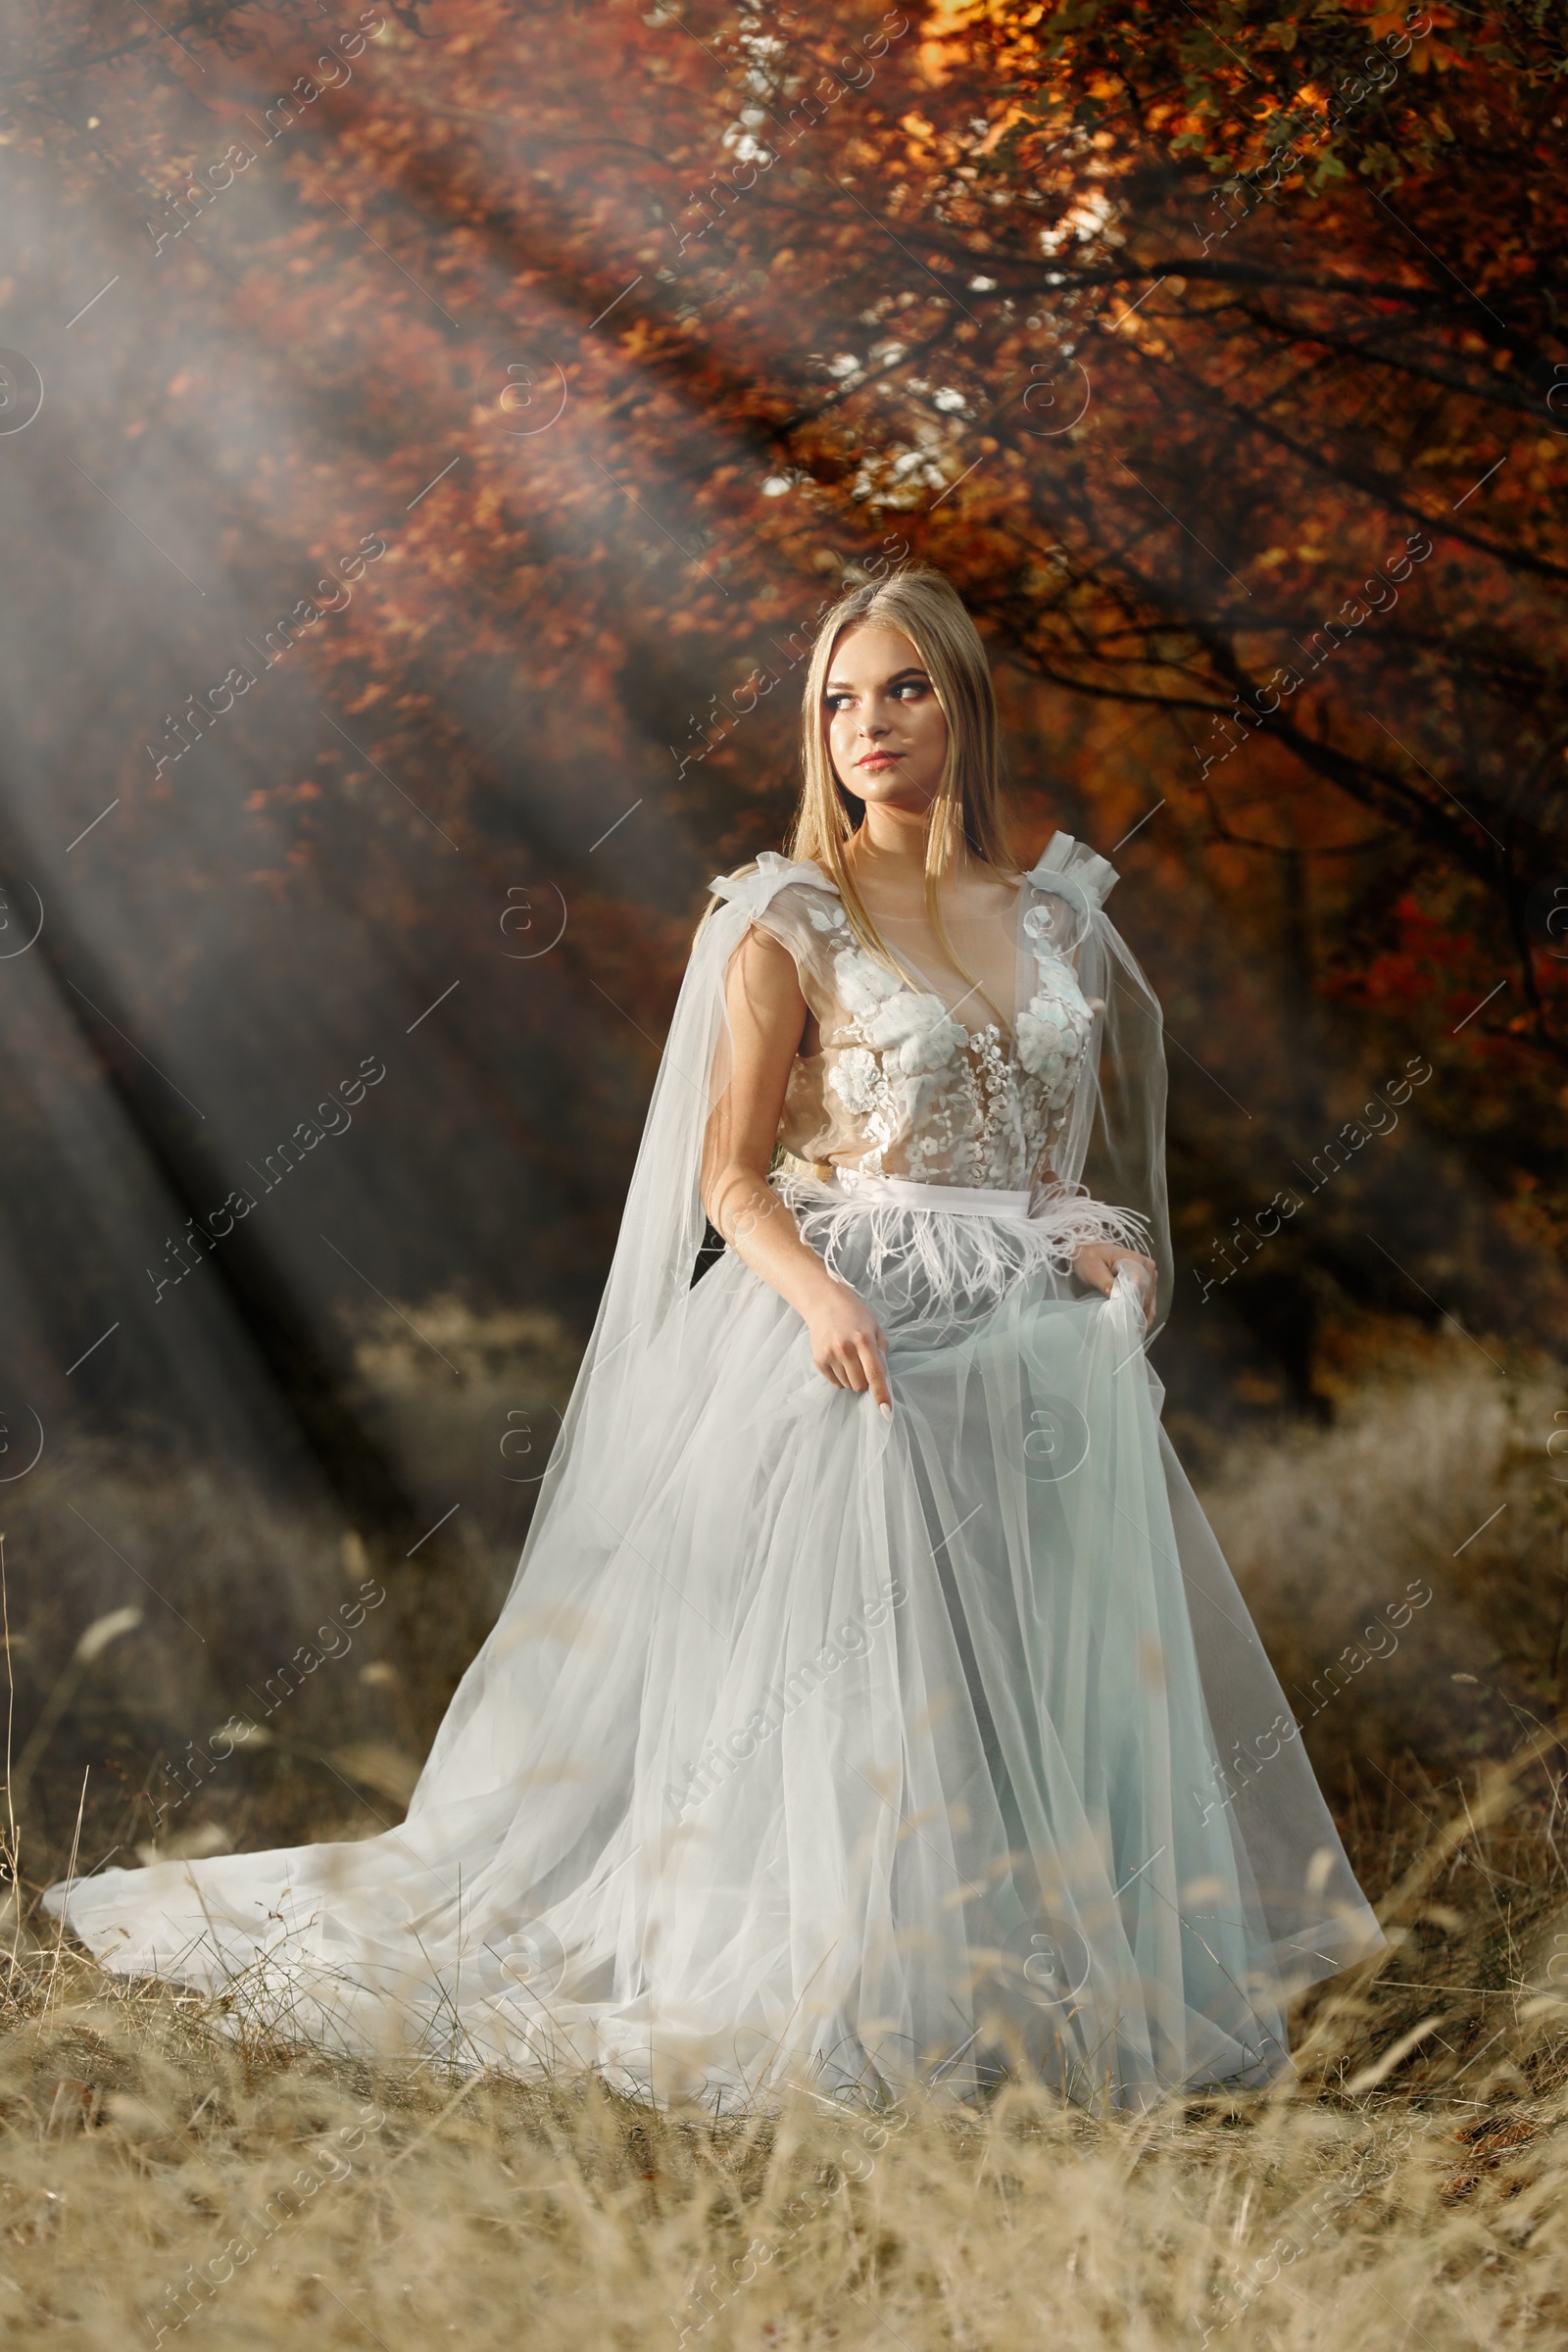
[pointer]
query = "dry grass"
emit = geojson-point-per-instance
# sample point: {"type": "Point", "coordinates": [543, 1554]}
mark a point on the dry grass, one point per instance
{"type": "Point", "coordinates": [1437, 1476]}
{"type": "Point", "coordinates": [1406, 2190]}
{"type": "Point", "coordinates": [156, 2175]}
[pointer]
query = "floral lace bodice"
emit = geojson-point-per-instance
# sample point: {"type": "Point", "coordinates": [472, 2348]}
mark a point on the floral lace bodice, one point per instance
{"type": "Point", "coordinates": [898, 1085]}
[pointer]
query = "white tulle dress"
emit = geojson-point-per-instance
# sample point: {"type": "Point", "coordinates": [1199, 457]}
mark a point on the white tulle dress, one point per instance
{"type": "Point", "coordinates": [816, 1748]}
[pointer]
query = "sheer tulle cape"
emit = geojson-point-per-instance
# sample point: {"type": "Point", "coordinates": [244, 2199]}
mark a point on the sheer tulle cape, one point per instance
{"type": "Point", "coordinates": [1113, 1149]}
{"type": "Point", "coordinates": [810, 1747]}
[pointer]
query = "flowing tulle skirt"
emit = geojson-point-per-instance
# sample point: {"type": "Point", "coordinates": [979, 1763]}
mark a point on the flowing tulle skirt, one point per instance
{"type": "Point", "coordinates": [811, 1747]}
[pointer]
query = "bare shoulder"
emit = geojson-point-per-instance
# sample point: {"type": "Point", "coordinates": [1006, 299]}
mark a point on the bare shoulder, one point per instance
{"type": "Point", "coordinates": [762, 974]}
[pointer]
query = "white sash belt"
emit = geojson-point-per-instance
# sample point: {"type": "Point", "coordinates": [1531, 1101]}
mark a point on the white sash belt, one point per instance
{"type": "Point", "coordinates": [959, 1200]}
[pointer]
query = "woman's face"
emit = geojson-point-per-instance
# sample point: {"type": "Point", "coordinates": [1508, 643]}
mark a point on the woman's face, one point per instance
{"type": "Point", "coordinates": [886, 733]}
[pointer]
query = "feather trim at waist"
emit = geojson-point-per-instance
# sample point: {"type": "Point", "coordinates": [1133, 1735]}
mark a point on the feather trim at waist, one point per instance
{"type": "Point", "coordinates": [962, 1243]}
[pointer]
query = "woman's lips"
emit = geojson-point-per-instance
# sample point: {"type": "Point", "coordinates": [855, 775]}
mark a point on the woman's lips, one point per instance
{"type": "Point", "coordinates": [880, 759]}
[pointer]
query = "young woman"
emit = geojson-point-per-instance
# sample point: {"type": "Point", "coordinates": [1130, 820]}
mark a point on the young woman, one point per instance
{"type": "Point", "coordinates": [873, 1708]}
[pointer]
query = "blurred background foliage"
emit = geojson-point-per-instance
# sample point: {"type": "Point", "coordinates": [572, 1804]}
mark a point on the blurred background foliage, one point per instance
{"type": "Point", "coordinates": [428, 434]}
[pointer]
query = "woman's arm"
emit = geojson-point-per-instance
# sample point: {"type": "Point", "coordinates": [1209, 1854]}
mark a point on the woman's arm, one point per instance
{"type": "Point", "coordinates": [768, 1016]}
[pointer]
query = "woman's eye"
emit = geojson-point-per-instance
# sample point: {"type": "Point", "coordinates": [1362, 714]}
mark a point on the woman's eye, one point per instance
{"type": "Point", "coordinates": [837, 702]}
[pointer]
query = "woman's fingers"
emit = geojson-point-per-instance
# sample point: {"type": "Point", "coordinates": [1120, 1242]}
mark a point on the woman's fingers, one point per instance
{"type": "Point", "coordinates": [860, 1364]}
{"type": "Point", "coordinates": [874, 1365]}
{"type": "Point", "coordinates": [842, 1366]}
{"type": "Point", "coordinates": [1149, 1283]}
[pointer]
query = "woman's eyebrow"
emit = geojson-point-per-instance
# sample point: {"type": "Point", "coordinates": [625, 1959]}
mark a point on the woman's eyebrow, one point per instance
{"type": "Point", "coordinates": [913, 670]}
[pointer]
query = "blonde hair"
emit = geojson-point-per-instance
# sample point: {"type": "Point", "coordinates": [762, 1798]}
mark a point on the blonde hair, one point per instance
{"type": "Point", "coordinates": [925, 606]}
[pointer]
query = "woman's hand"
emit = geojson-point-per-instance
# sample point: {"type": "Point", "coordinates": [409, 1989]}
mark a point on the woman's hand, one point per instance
{"type": "Point", "coordinates": [1096, 1264]}
{"type": "Point", "coordinates": [848, 1345]}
